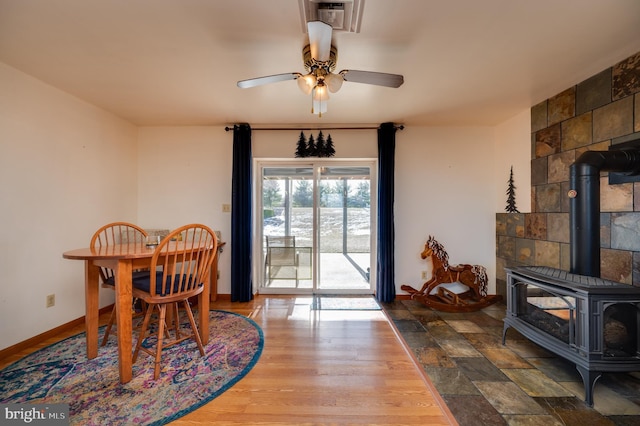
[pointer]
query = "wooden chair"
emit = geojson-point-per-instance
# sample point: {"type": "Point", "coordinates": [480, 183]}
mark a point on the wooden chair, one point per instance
{"type": "Point", "coordinates": [180, 275]}
{"type": "Point", "coordinates": [110, 234]}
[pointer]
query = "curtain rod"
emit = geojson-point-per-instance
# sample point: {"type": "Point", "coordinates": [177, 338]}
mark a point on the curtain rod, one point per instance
{"type": "Point", "coordinates": [399, 127]}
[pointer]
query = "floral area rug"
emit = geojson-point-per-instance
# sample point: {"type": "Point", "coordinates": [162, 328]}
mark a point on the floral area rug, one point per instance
{"type": "Point", "coordinates": [61, 374]}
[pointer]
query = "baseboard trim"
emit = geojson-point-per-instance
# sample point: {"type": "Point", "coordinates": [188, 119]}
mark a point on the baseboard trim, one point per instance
{"type": "Point", "coordinates": [403, 297]}
{"type": "Point", "coordinates": [14, 349]}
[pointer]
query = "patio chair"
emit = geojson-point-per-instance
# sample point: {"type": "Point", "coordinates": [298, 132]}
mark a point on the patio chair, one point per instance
{"type": "Point", "coordinates": [281, 252]}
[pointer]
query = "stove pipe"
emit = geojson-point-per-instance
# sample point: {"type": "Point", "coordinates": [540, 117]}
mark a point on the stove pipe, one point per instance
{"type": "Point", "coordinates": [584, 203]}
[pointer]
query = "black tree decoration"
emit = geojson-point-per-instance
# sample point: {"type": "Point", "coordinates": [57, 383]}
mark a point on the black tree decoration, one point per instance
{"type": "Point", "coordinates": [511, 195]}
{"type": "Point", "coordinates": [311, 147]}
{"type": "Point", "coordinates": [315, 147]}
{"type": "Point", "coordinates": [329, 149]}
{"type": "Point", "coordinates": [320, 146]}
{"type": "Point", "coordinates": [301, 148]}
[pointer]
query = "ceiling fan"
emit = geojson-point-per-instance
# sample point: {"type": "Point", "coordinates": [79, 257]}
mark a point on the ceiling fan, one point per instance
{"type": "Point", "coordinates": [320, 58]}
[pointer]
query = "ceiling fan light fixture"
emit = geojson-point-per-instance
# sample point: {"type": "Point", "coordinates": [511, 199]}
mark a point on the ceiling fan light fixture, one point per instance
{"type": "Point", "coordinates": [319, 108]}
{"type": "Point", "coordinates": [306, 83]}
{"type": "Point", "coordinates": [334, 82]}
{"type": "Point", "coordinates": [320, 92]}
{"type": "Point", "coordinates": [319, 98]}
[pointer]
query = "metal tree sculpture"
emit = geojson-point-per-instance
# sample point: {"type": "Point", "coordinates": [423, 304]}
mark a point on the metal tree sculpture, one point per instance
{"type": "Point", "coordinates": [301, 147]}
{"type": "Point", "coordinates": [511, 195]}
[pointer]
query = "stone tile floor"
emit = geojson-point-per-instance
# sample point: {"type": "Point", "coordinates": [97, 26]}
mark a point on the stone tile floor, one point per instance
{"type": "Point", "coordinates": [520, 383]}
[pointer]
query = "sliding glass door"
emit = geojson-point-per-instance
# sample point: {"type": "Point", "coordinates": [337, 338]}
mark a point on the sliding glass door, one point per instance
{"type": "Point", "coordinates": [316, 227]}
{"type": "Point", "coordinates": [344, 228]}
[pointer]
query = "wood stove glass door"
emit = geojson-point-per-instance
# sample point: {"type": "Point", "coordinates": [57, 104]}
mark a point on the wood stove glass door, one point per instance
{"type": "Point", "coordinates": [549, 312]}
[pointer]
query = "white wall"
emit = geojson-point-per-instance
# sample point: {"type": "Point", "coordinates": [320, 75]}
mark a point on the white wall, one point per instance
{"type": "Point", "coordinates": [444, 187]}
{"type": "Point", "coordinates": [348, 143]}
{"type": "Point", "coordinates": [66, 168]}
{"type": "Point", "coordinates": [184, 176]}
{"type": "Point", "coordinates": [513, 148]}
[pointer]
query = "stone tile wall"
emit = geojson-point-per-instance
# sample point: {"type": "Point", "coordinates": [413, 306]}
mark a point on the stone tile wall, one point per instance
{"type": "Point", "coordinates": [601, 111]}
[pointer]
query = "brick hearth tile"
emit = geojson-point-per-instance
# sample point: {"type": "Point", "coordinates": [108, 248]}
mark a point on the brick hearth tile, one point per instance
{"type": "Point", "coordinates": [480, 369]}
{"type": "Point", "coordinates": [399, 314]}
{"type": "Point", "coordinates": [464, 326]}
{"type": "Point", "coordinates": [558, 167]}
{"type": "Point", "coordinates": [576, 132]}
{"type": "Point", "coordinates": [539, 116]}
{"type": "Point", "coordinates": [537, 420]}
{"type": "Point", "coordinates": [605, 401]}
{"type": "Point", "coordinates": [486, 318]}
{"type": "Point", "coordinates": [547, 141]}
{"type": "Point", "coordinates": [548, 198]}
{"type": "Point", "coordinates": [562, 106]}
{"type": "Point", "coordinates": [547, 254]}
{"type": "Point", "coordinates": [434, 357]}
{"type": "Point", "coordinates": [504, 358]}
{"type": "Point", "coordinates": [458, 348]}
{"type": "Point", "coordinates": [508, 398]}
{"type": "Point", "coordinates": [557, 369]}
{"type": "Point", "coordinates": [426, 317]}
{"type": "Point", "coordinates": [473, 411]}
{"type": "Point", "coordinates": [594, 92]}
{"type": "Point", "coordinates": [625, 77]}
{"type": "Point", "coordinates": [450, 381]}
{"type": "Point", "coordinates": [419, 339]}
{"type": "Point", "coordinates": [527, 349]}
{"type": "Point", "coordinates": [613, 120]}
{"type": "Point", "coordinates": [535, 383]}
{"type": "Point", "coordinates": [624, 384]}
{"type": "Point", "coordinates": [616, 198]}
{"type": "Point", "coordinates": [408, 325]}
{"type": "Point", "coordinates": [440, 330]}
{"type": "Point", "coordinates": [573, 411]}
{"type": "Point", "coordinates": [482, 341]}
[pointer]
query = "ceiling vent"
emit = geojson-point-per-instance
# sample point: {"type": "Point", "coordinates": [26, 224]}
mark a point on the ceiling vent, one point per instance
{"type": "Point", "coordinates": [344, 16]}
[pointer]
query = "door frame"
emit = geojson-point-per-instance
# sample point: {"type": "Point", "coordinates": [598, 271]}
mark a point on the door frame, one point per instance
{"type": "Point", "coordinates": [257, 220]}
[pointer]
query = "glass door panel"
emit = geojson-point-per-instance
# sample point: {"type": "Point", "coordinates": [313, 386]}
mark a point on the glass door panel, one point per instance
{"type": "Point", "coordinates": [344, 229]}
{"type": "Point", "coordinates": [287, 227]}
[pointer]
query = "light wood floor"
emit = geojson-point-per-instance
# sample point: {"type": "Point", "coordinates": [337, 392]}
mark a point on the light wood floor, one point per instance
{"type": "Point", "coordinates": [320, 367]}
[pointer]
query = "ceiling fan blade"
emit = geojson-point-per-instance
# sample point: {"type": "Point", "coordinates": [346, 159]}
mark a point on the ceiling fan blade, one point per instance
{"type": "Point", "coordinates": [259, 81]}
{"type": "Point", "coordinates": [320, 40]}
{"type": "Point", "coordinates": [377, 78]}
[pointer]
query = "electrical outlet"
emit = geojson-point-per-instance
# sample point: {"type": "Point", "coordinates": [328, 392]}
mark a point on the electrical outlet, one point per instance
{"type": "Point", "coordinates": [51, 300]}
{"type": "Point", "coordinates": [226, 208]}
{"type": "Point", "coordinates": [424, 275]}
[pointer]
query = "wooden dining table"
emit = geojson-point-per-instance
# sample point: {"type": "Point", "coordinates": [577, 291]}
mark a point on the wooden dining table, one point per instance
{"type": "Point", "coordinates": [123, 259]}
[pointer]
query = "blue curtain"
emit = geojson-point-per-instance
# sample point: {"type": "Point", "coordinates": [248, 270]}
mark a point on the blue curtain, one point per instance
{"type": "Point", "coordinates": [385, 283]}
{"type": "Point", "coordinates": [241, 285]}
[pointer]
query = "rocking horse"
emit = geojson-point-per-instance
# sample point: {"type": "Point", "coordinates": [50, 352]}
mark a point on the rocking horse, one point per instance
{"type": "Point", "coordinates": [459, 288]}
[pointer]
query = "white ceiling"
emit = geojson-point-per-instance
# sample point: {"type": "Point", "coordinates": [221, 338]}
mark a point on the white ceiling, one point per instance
{"type": "Point", "coordinates": [176, 62]}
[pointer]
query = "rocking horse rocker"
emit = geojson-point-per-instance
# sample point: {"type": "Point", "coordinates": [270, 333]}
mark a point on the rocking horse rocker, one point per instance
{"type": "Point", "coordinates": [459, 288]}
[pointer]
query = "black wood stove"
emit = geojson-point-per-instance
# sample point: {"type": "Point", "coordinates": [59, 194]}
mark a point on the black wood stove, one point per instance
{"type": "Point", "coordinates": [589, 321]}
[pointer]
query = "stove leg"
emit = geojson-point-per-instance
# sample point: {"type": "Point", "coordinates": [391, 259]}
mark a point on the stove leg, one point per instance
{"type": "Point", "coordinates": [589, 379]}
{"type": "Point", "coordinates": [504, 334]}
